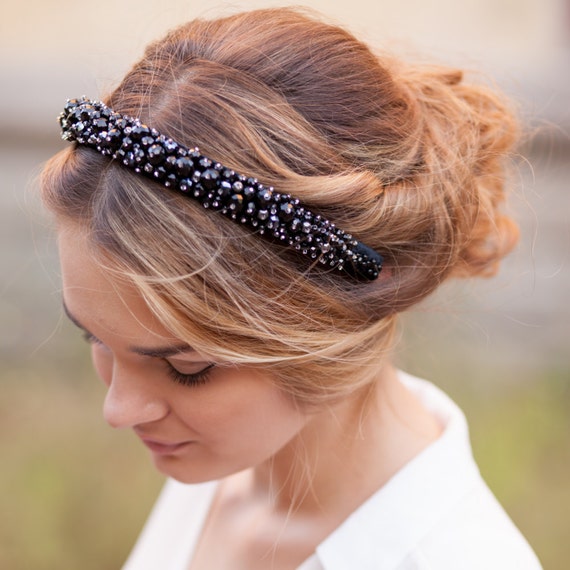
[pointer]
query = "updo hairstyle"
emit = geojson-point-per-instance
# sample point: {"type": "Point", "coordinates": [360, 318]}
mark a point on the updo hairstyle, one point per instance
{"type": "Point", "coordinates": [407, 158]}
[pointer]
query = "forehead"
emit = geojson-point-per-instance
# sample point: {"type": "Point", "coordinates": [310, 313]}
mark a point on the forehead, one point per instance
{"type": "Point", "coordinates": [99, 299]}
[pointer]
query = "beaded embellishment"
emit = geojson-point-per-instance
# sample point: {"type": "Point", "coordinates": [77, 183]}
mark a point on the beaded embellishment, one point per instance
{"type": "Point", "coordinates": [241, 198]}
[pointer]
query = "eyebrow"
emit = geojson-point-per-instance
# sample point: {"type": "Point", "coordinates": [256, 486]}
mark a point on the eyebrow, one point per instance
{"type": "Point", "coordinates": [155, 352]}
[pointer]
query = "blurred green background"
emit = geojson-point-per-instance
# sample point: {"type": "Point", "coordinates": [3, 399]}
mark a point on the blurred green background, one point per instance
{"type": "Point", "coordinates": [75, 494]}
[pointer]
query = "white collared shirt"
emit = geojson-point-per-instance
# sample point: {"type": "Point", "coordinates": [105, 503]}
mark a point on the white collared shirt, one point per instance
{"type": "Point", "coordinates": [436, 513]}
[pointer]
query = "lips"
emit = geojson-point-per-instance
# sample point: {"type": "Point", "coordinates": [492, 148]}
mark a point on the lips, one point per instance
{"type": "Point", "coordinates": [164, 448]}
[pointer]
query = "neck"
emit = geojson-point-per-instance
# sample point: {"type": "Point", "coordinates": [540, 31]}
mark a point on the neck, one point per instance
{"type": "Point", "coordinates": [347, 451]}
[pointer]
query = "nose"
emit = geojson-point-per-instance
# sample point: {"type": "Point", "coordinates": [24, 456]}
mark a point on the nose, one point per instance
{"type": "Point", "coordinates": [132, 400]}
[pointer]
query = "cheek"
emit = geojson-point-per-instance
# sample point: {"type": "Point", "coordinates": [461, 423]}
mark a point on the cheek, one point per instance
{"type": "Point", "coordinates": [103, 363]}
{"type": "Point", "coordinates": [243, 414]}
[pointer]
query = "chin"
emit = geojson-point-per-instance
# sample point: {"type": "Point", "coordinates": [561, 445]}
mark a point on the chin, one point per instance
{"type": "Point", "coordinates": [192, 472]}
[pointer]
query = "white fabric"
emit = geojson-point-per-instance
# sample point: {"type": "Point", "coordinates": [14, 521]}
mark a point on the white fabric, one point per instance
{"type": "Point", "coordinates": [435, 514]}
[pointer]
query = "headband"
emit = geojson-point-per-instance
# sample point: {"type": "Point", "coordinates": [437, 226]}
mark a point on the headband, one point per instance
{"type": "Point", "coordinates": [242, 199]}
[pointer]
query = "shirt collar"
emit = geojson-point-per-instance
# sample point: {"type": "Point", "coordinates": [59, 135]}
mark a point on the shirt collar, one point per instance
{"type": "Point", "coordinates": [383, 530]}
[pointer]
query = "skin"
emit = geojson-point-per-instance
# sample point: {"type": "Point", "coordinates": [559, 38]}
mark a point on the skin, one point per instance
{"type": "Point", "coordinates": [290, 476]}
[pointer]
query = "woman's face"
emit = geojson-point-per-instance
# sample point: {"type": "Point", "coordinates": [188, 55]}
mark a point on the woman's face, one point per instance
{"type": "Point", "coordinates": [200, 419]}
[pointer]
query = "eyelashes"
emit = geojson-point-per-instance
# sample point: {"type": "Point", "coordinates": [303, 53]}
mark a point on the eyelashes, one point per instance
{"type": "Point", "coordinates": [88, 337]}
{"type": "Point", "coordinates": [193, 379]}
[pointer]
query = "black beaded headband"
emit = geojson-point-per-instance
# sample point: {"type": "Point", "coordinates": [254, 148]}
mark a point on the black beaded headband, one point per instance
{"type": "Point", "coordinates": [243, 199]}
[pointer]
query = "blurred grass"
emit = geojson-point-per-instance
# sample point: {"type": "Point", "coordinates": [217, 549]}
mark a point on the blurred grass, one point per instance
{"type": "Point", "coordinates": [519, 425]}
{"type": "Point", "coordinates": [75, 494]}
{"type": "Point", "coordinates": [520, 440]}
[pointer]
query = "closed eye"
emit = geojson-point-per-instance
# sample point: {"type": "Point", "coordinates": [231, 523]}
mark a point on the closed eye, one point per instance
{"type": "Point", "coordinates": [90, 338]}
{"type": "Point", "coordinates": [193, 379]}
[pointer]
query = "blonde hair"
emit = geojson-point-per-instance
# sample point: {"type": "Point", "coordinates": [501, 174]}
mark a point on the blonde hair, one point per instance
{"type": "Point", "coordinates": [408, 158]}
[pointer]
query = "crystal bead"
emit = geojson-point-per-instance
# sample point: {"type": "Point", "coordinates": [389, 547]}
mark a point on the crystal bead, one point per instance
{"type": "Point", "coordinates": [129, 160]}
{"type": "Point", "coordinates": [205, 162]}
{"type": "Point", "coordinates": [264, 197]}
{"type": "Point", "coordinates": [147, 141]}
{"type": "Point", "coordinates": [225, 188]}
{"type": "Point", "coordinates": [71, 104]}
{"type": "Point", "coordinates": [185, 185]}
{"type": "Point", "coordinates": [295, 225]}
{"type": "Point", "coordinates": [155, 154]}
{"type": "Point", "coordinates": [287, 212]}
{"type": "Point", "coordinates": [113, 138]}
{"type": "Point", "coordinates": [184, 166]}
{"type": "Point", "coordinates": [140, 131]}
{"type": "Point", "coordinates": [236, 203]}
{"type": "Point", "coordinates": [127, 143]}
{"type": "Point", "coordinates": [159, 173]}
{"type": "Point", "coordinates": [209, 179]}
{"type": "Point", "coordinates": [170, 146]}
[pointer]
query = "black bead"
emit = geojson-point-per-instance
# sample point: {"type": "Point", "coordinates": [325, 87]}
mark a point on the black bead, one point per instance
{"type": "Point", "coordinates": [185, 184]}
{"type": "Point", "coordinates": [127, 143]}
{"type": "Point", "coordinates": [155, 154]}
{"type": "Point", "coordinates": [139, 131]}
{"type": "Point", "coordinates": [287, 212]}
{"type": "Point", "coordinates": [236, 203]}
{"type": "Point", "coordinates": [205, 162]}
{"type": "Point", "coordinates": [225, 188]}
{"type": "Point", "coordinates": [113, 138]}
{"type": "Point", "coordinates": [139, 155]}
{"type": "Point", "coordinates": [170, 163]}
{"type": "Point", "coordinates": [295, 225]}
{"type": "Point", "coordinates": [170, 146]}
{"type": "Point", "coordinates": [273, 222]}
{"type": "Point", "coordinates": [159, 173]}
{"type": "Point", "coordinates": [264, 197]}
{"type": "Point", "coordinates": [129, 160]}
{"type": "Point", "coordinates": [209, 179]}
{"type": "Point", "coordinates": [184, 166]}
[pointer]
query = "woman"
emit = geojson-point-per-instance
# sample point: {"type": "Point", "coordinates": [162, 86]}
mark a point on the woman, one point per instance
{"type": "Point", "coordinates": [241, 299]}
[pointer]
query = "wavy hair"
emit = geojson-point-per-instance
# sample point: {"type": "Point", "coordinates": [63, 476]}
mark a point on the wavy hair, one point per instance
{"type": "Point", "coordinates": [407, 157]}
